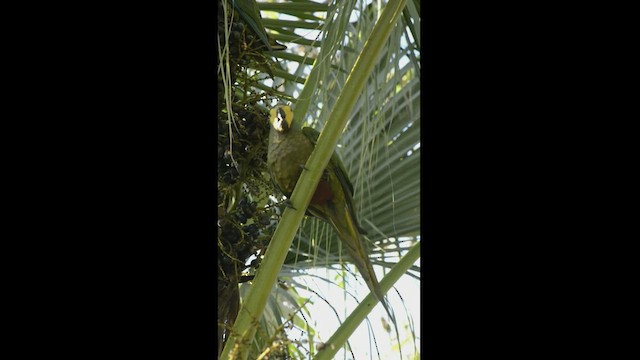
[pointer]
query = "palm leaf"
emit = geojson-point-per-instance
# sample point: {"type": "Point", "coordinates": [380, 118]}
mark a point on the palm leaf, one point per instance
{"type": "Point", "coordinates": [380, 145]}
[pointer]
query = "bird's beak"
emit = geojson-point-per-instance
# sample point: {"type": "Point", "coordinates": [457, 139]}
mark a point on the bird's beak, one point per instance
{"type": "Point", "coordinates": [282, 120]}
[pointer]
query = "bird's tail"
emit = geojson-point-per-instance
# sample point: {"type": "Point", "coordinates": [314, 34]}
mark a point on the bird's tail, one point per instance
{"type": "Point", "coordinates": [355, 245]}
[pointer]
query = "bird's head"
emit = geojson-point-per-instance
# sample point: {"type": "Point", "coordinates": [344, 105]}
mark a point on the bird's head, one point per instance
{"type": "Point", "coordinates": [281, 118]}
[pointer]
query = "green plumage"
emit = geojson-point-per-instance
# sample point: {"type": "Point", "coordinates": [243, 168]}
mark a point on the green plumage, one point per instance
{"type": "Point", "coordinates": [289, 149]}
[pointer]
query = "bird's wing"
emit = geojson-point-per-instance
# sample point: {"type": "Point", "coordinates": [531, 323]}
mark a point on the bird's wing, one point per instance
{"type": "Point", "coordinates": [341, 174]}
{"type": "Point", "coordinates": [312, 134]}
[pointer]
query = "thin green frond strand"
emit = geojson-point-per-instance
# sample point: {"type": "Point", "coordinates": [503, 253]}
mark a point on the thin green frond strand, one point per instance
{"type": "Point", "coordinates": [273, 23]}
{"type": "Point", "coordinates": [293, 7]}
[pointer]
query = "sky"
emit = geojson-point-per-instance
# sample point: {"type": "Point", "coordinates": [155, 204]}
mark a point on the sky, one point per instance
{"type": "Point", "coordinates": [325, 323]}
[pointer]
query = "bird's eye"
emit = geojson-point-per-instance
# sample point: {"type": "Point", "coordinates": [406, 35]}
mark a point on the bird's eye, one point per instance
{"type": "Point", "coordinates": [281, 114]}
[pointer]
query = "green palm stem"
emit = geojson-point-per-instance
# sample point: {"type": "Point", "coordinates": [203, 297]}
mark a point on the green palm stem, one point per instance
{"type": "Point", "coordinates": [251, 310]}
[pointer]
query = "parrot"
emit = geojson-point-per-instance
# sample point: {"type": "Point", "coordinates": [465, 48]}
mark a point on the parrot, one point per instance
{"type": "Point", "coordinates": [288, 151]}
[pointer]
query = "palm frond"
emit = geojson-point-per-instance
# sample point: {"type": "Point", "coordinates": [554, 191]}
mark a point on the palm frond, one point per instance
{"type": "Point", "coordinates": [380, 145]}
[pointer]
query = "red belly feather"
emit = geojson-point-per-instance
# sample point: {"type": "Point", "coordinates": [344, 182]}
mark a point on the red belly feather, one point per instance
{"type": "Point", "coordinates": [323, 193]}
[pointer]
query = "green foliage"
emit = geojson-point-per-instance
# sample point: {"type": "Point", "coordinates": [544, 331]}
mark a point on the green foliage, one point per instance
{"type": "Point", "coordinates": [380, 145]}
